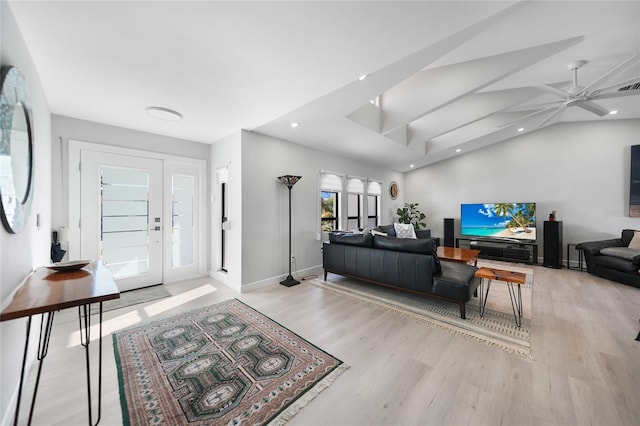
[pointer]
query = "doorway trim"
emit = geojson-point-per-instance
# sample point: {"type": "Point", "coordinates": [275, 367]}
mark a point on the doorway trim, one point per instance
{"type": "Point", "coordinates": [74, 204]}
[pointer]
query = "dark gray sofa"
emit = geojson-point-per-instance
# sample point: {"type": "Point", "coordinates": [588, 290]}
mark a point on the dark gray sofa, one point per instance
{"type": "Point", "coordinates": [605, 259]}
{"type": "Point", "coordinates": [406, 264]}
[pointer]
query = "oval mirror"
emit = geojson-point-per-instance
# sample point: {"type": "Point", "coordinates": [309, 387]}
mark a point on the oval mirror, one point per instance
{"type": "Point", "coordinates": [16, 150]}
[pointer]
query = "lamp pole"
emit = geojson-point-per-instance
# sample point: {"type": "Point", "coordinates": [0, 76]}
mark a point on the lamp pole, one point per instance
{"type": "Point", "coordinates": [289, 181]}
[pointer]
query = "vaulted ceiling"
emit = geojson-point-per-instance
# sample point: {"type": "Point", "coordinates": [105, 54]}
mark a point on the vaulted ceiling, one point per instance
{"type": "Point", "coordinates": [442, 78]}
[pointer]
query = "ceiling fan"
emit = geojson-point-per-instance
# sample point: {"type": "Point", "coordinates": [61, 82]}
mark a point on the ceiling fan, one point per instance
{"type": "Point", "coordinates": [584, 97]}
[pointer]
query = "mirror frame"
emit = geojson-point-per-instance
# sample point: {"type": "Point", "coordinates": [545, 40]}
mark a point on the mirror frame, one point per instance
{"type": "Point", "coordinates": [15, 93]}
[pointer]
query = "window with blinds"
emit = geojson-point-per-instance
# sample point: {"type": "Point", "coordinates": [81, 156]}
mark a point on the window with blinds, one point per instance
{"type": "Point", "coordinates": [374, 191]}
{"type": "Point", "coordinates": [355, 208]}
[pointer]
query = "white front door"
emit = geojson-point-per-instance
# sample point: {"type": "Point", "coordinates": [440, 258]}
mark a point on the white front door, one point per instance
{"type": "Point", "coordinates": [121, 216]}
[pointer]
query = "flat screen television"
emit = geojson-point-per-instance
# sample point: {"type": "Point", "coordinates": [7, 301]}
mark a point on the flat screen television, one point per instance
{"type": "Point", "coordinates": [499, 220]}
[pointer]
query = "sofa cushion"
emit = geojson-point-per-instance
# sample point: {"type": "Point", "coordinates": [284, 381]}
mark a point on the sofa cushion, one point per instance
{"type": "Point", "coordinates": [362, 240]}
{"type": "Point", "coordinates": [616, 263]}
{"type": "Point", "coordinates": [420, 246]}
{"type": "Point", "coordinates": [404, 230]}
{"type": "Point", "coordinates": [423, 233]}
{"type": "Point", "coordinates": [387, 229]}
{"type": "Point", "coordinates": [635, 241]}
{"type": "Point", "coordinates": [623, 253]}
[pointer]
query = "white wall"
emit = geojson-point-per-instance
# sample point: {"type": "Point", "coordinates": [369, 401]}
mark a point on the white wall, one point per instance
{"type": "Point", "coordinates": [65, 128]}
{"type": "Point", "coordinates": [21, 253]}
{"type": "Point", "coordinates": [581, 170]}
{"type": "Point", "coordinates": [265, 226]}
{"type": "Point", "coordinates": [227, 153]}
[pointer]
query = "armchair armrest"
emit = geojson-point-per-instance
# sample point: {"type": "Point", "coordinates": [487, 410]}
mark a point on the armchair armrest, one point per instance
{"type": "Point", "coordinates": [592, 248]}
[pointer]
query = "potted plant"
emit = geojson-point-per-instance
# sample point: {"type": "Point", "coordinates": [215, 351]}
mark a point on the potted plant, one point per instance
{"type": "Point", "coordinates": [410, 214]}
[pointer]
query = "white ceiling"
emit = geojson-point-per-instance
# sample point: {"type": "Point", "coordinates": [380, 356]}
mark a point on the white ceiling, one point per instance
{"type": "Point", "coordinates": [446, 70]}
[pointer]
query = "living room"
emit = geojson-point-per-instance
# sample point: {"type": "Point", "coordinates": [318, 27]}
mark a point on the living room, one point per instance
{"type": "Point", "coordinates": [580, 169]}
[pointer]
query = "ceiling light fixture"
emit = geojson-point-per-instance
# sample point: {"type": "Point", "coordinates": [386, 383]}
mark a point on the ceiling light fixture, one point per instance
{"type": "Point", "coordinates": [458, 150]}
{"type": "Point", "coordinates": [614, 112]}
{"type": "Point", "coordinates": [294, 124]}
{"type": "Point", "coordinates": [521, 129]}
{"type": "Point", "coordinates": [411, 165]}
{"type": "Point", "coordinates": [163, 113]}
{"type": "Point", "coordinates": [363, 76]}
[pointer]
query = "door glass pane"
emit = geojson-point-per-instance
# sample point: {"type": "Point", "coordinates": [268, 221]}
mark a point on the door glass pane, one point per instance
{"type": "Point", "coordinates": [124, 219]}
{"type": "Point", "coordinates": [182, 188]}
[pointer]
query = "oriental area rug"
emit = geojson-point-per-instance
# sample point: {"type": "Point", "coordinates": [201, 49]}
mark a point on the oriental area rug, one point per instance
{"type": "Point", "coordinates": [496, 327]}
{"type": "Point", "coordinates": [226, 364]}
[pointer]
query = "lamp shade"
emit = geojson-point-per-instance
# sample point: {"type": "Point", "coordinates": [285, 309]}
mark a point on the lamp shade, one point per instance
{"type": "Point", "coordinates": [289, 180]}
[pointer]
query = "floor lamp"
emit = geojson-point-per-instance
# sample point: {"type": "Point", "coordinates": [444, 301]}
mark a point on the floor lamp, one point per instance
{"type": "Point", "coordinates": [289, 181]}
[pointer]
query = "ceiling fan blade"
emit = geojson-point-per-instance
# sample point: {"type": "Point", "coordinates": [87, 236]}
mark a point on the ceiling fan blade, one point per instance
{"type": "Point", "coordinates": [597, 93]}
{"type": "Point", "coordinates": [613, 71]}
{"type": "Point", "coordinates": [553, 90]}
{"type": "Point", "coordinates": [552, 116]}
{"type": "Point", "coordinates": [593, 107]}
{"type": "Point", "coordinates": [524, 117]}
{"type": "Point", "coordinates": [530, 107]}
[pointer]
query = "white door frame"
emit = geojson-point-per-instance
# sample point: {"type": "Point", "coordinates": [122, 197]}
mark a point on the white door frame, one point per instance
{"type": "Point", "coordinates": [73, 181]}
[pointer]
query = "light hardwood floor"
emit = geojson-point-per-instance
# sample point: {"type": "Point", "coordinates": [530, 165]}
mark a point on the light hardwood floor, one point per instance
{"type": "Point", "coordinates": [585, 366]}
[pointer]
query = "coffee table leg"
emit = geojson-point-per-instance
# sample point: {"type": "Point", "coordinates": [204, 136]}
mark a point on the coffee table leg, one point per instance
{"type": "Point", "coordinates": [482, 298]}
{"type": "Point", "coordinates": [516, 303]}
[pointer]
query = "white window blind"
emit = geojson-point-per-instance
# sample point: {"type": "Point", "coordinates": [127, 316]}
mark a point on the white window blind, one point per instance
{"type": "Point", "coordinates": [355, 185]}
{"type": "Point", "coordinates": [331, 181]}
{"type": "Point", "coordinates": [374, 188]}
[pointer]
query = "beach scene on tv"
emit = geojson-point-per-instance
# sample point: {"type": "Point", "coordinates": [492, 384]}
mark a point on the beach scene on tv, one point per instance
{"type": "Point", "coordinates": [506, 220]}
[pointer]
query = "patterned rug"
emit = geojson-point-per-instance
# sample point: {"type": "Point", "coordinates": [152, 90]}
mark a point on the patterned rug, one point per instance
{"type": "Point", "coordinates": [496, 327]}
{"type": "Point", "coordinates": [226, 364]}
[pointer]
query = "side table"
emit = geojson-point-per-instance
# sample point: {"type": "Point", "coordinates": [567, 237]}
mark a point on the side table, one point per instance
{"type": "Point", "coordinates": [580, 257]}
{"type": "Point", "coordinates": [45, 292]}
{"type": "Point", "coordinates": [509, 277]}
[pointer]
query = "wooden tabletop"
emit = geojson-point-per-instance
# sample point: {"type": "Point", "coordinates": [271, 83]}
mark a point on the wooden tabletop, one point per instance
{"type": "Point", "coordinates": [501, 275]}
{"type": "Point", "coordinates": [457, 254]}
{"type": "Point", "coordinates": [46, 290]}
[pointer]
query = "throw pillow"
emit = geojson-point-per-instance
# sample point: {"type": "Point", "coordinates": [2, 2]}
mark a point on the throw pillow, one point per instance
{"type": "Point", "coordinates": [635, 241]}
{"type": "Point", "coordinates": [404, 230]}
{"type": "Point", "coordinates": [382, 234]}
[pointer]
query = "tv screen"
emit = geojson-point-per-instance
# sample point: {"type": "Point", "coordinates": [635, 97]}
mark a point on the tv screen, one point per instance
{"type": "Point", "coordinates": [506, 220]}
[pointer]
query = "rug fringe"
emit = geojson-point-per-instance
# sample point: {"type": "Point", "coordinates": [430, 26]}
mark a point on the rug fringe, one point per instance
{"type": "Point", "coordinates": [301, 402]}
{"type": "Point", "coordinates": [524, 352]}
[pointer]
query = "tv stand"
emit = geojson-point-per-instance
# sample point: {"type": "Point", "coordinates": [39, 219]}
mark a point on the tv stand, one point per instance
{"type": "Point", "coordinates": [505, 250]}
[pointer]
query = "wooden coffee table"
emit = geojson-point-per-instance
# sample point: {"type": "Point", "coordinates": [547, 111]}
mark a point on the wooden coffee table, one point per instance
{"type": "Point", "coordinates": [460, 255]}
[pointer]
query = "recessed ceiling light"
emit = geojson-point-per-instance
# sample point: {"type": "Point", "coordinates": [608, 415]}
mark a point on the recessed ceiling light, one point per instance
{"type": "Point", "coordinates": [163, 113]}
{"type": "Point", "coordinates": [363, 76]}
{"type": "Point", "coordinates": [411, 165]}
{"type": "Point", "coordinates": [614, 112]}
{"type": "Point", "coordinates": [294, 124]}
{"type": "Point", "coordinates": [521, 129]}
{"type": "Point", "coordinates": [458, 150]}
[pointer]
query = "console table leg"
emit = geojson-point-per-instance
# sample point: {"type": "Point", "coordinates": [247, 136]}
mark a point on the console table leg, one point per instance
{"type": "Point", "coordinates": [84, 317]}
{"type": "Point", "coordinates": [24, 364]}
{"type": "Point", "coordinates": [483, 297]}
{"type": "Point", "coordinates": [516, 302]}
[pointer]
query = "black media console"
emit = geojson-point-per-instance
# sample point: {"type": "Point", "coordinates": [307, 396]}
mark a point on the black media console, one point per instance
{"type": "Point", "coordinates": [507, 250]}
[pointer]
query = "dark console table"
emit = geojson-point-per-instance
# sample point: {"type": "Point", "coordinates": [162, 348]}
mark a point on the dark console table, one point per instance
{"type": "Point", "coordinates": [510, 251]}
